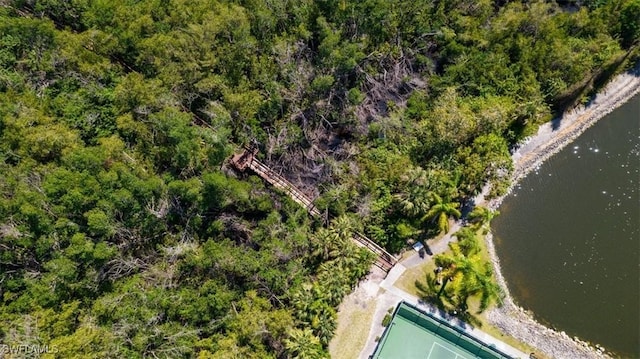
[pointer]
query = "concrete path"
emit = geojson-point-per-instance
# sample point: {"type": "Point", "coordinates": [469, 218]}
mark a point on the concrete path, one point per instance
{"type": "Point", "coordinates": [437, 246]}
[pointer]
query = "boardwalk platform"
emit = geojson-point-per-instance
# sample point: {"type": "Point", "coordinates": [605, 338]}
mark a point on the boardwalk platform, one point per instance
{"type": "Point", "coordinates": [247, 160]}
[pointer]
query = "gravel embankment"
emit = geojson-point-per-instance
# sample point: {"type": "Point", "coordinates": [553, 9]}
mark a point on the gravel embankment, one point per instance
{"type": "Point", "coordinates": [511, 319]}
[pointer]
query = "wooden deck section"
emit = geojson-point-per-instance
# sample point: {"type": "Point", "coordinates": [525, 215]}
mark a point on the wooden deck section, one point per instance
{"type": "Point", "coordinates": [384, 260]}
{"type": "Point", "coordinates": [246, 160]}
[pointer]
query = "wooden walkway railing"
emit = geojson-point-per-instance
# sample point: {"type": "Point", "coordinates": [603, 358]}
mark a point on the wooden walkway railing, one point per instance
{"type": "Point", "coordinates": [280, 182]}
{"type": "Point", "coordinates": [246, 159]}
{"type": "Point", "coordinates": [384, 259]}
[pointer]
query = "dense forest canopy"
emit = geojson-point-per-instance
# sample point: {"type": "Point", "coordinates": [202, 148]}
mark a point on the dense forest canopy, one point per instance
{"type": "Point", "coordinates": [123, 233]}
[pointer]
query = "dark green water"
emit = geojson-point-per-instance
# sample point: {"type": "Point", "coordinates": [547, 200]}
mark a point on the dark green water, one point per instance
{"type": "Point", "coordinates": [568, 237]}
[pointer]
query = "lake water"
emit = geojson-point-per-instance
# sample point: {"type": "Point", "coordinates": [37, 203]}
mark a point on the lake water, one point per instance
{"type": "Point", "coordinates": [568, 237]}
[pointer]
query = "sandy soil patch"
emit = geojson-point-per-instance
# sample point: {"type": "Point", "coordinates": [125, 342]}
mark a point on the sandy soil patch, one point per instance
{"type": "Point", "coordinates": [356, 317]}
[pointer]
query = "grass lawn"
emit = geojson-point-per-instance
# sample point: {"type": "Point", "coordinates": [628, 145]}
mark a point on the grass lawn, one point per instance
{"type": "Point", "coordinates": [408, 279]}
{"type": "Point", "coordinates": [354, 323]}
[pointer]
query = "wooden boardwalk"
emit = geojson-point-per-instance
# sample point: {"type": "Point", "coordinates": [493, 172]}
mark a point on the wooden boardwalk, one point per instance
{"type": "Point", "coordinates": [246, 160]}
{"type": "Point", "coordinates": [384, 259]}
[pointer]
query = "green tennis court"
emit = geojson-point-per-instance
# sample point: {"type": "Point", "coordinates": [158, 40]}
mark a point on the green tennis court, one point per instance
{"type": "Point", "coordinates": [415, 334]}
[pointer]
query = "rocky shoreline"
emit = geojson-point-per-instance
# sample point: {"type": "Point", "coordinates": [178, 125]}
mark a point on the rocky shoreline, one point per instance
{"type": "Point", "coordinates": [520, 324]}
{"type": "Point", "coordinates": [551, 138]}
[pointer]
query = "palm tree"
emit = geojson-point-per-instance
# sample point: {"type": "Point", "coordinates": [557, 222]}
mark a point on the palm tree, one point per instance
{"type": "Point", "coordinates": [302, 300]}
{"type": "Point", "coordinates": [441, 211]}
{"type": "Point", "coordinates": [482, 216]}
{"type": "Point", "coordinates": [342, 228]}
{"type": "Point", "coordinates": [467, 241]}
{"type": "Point", "coordinates": [490, 290]}
{"type": "Point", "coordinates": [450, 268]}
{"type": "Point", "coordinates": [334, 282]}
{"type": "Point", "coordinates": [435, 289]}
{"type": "Point", "coordinates": [414, 201]}
{"type": "Point", "coordinates": [470, 276]}
{"type": "Point", "coordinates": [302, 344]}
{"type": "Point", "coordinates": [327, 244]}
{"type": "Point", "coordinates": [362, 260]}
{"type": "Point", "coordinates": [429, 289]}
{"type": "Point", "coordinates": [478, 280]}
{"type": "Point", "coordinates": [324, 321]}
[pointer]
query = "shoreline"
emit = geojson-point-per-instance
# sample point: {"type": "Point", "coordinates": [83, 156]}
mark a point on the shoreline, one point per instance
{"type": "Point", "coordinates": [375, 294]}
{"type": "Point", "coordinates": [510, 318]}
{"type": "Point", "coordinates": [536, 149]}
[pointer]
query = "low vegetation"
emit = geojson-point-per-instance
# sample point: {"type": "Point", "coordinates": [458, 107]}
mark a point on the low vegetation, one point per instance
{"type": "Point", "coordinates": [124, 234]}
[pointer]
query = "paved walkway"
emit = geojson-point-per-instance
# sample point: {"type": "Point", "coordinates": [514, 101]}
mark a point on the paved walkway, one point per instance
{"type": "Point", "coordinates": [438, 246]}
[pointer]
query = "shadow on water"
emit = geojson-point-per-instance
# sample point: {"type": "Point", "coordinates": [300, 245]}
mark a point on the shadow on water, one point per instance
{"type": "Point", "coordinates": [555, 123]}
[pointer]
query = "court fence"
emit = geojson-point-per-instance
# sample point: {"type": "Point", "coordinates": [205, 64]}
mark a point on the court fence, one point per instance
{"type": "Point", "coordinates": [451, 333]}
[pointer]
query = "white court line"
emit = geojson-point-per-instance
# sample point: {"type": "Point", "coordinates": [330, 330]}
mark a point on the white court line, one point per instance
{"type": "Point", "coordinates": [432, 345]}
{"type": "Point", "coordinates": [442, 346]}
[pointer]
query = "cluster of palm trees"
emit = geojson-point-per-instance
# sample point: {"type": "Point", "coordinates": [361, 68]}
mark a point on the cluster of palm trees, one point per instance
{"type": "Point", "coordinates": [428, 198]}
{"type": "Point", "coordinates": [340, 264]}
{"type": "Point", "coordinates": [462, 273]}
{"type": "Point", "coordinates": [315, 312]}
